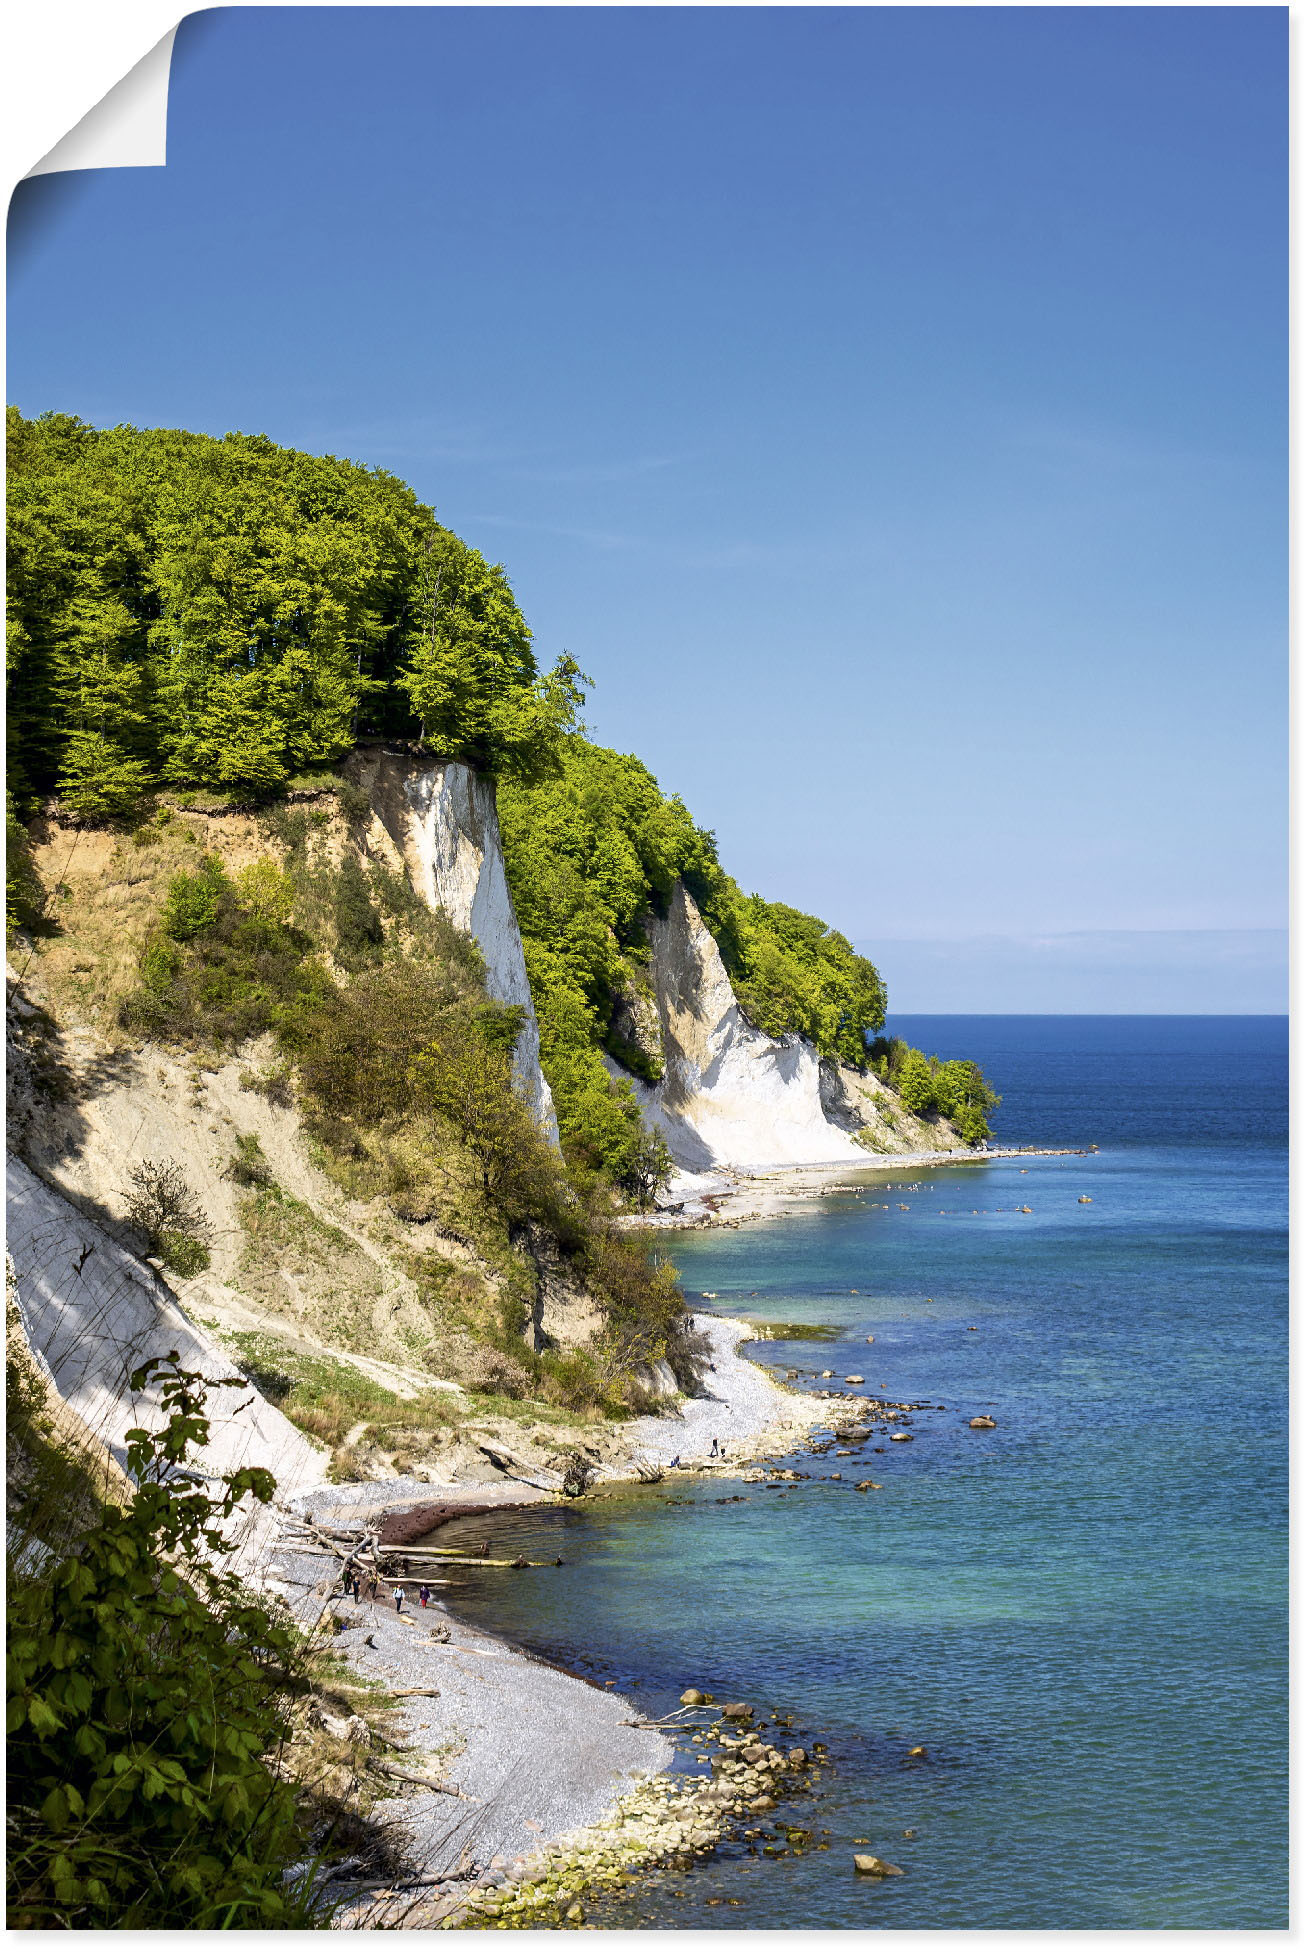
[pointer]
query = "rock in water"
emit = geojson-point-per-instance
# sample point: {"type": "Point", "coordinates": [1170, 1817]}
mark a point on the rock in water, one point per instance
{"type": "Point", "coordinates": [982, 1423]}
{"type": "Point", "coordinates": [692, 1697]}
{"type": "Point", "coordinates": [737, 1711]}
{"type": "Point", "coordinates": [869, 1866]}
{"type": "Point", "coordinates": [853, 1379]}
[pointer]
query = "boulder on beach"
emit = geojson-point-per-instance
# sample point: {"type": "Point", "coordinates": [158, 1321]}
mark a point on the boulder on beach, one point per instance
{"type": "Point", "coordinates": [869, 1866]}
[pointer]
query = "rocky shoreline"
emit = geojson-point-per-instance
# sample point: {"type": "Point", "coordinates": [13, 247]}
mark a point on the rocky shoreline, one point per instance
{"type": "Point", "coordinates": [730, 1196]}
{"type": "Point", "coordinates": [548, 1786]}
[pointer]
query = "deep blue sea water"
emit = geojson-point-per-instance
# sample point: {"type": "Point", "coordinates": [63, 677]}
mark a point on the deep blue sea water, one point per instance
{"type": "Point", "coordinates": [1080, 1614]}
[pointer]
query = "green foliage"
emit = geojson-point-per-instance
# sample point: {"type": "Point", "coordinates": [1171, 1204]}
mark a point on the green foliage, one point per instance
{"type": "Point", "coordinates": [791, 973]}
{"type": "Point", "coordinates": [591, 854]}
{"type": "Point", "coordinates": [359, 931]}
{"type": "Point", "coordinates": [266, 892]}
{"type": "Point", "coordinates": [24, 894]}
{"type": "Point", "coordinates": [194, 901]}
{"type": "Point", "coordinates": [356, 1043]}
{"type": "Point", "coordinates": [230, 614]}
{"type": "Point", "coordinates": [650, 1170]}
{"type": "Point", "coordinates": [223, 967]}
{"type": "Point", "coordinates": [472, 677]}
{"type": "Point", "coordinates": [411, 1059]}
{"type": "Point", "coordinates": [146, 1692]}
{"type": "Point", "coordinates": [915, 1084]}
{"type": "Point", "coordinates": [955, 1088]}
{"type": "Point", "coordinates": [163, 1209]}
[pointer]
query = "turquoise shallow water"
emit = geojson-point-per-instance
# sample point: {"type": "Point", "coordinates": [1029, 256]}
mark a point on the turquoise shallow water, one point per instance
{"type": "Point", "coordinates": [1080, 1614]}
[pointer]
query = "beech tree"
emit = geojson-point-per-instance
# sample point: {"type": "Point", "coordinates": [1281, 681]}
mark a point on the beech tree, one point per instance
{"type": "Point", "coordinates": [471, 674]}
{"type": "Point", "coordinates": [229, 613]}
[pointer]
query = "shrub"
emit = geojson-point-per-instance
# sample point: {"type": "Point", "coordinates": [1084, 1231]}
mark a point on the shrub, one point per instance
{"type": "Point", "coordinates": [248, 1165]}
{"type": "Point", "coordinates": [146, 1691]}
{"type": "Point", "coordinates": [162, 1207]}
{"type": "Point", "coordinates": [194, 899]}
{"type": "Point", "coordinates": [266, 892]}
{"type": "Point", "coordinates": [24, 894]}
{"type": "Point", "coordinates": [227, 965]}
{"type": "Point", "coordinates": [358, 929]}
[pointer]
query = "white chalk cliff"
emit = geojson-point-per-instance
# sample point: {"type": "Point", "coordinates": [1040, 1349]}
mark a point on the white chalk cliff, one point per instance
{"type": "Point", "coordinates": [92, 1312]}
{"type": "Point", "coordinates": [730, 1096]}
{"type": "Point", "coordinates": [442, 818]}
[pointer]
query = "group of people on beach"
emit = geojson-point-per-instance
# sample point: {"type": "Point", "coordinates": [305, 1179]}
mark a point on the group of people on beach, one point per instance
{"type": "Point", "coordinates": [423, 1594]}
{"type": "Point", "coordinates": [717, 1450]}
{"type": "Point", "coordinates": [354, 1582]}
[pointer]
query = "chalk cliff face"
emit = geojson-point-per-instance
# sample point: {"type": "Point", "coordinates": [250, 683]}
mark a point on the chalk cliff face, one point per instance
{"type": "Point", "coordinates": [731, 1096]}
{"type": "Point", "coordinates": [441, 818]}
{"type": "Point", "coordinates": [92, 1312]}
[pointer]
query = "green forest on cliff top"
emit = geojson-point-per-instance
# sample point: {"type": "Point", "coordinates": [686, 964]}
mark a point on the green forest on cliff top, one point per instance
{"type": "Point", "coordinates": [232, 617]}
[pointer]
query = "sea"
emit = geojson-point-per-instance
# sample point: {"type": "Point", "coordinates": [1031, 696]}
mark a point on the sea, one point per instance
{"type": "Point", "coordinates": [1078, 1616]}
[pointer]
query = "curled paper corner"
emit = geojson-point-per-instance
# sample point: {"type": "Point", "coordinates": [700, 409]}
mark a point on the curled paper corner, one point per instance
{"type": "Point", "coordinates": [128, 129]}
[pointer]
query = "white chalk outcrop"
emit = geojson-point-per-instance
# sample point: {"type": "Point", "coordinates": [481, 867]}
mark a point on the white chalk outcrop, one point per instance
{"type": "Point", "coordinates": [92, 1312]}
{"type": "Point", "coordinates": [731, 1096]}
{"type": "Point", "coordinates": [442, 818]}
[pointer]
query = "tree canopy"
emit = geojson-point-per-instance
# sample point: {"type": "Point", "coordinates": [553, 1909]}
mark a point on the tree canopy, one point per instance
{"type": "Point", "coordinates": [189, 611]}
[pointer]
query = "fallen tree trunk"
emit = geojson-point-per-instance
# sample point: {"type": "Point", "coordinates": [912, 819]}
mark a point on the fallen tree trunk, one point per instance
{"type": "Point", "coordinates": [421, 1782]}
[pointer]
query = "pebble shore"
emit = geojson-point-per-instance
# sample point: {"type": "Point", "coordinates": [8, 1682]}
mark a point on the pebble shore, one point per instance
{"type": "Point", "coordinates": [553, 1785]}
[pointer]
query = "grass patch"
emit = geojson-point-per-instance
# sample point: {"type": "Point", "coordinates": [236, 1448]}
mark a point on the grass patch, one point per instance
{"type": "Point", "coordinates": [327, 1398]}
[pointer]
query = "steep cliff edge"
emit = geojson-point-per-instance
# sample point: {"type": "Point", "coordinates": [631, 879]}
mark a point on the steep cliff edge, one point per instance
{"type": "Point", "coordinates": [441, 820]}
{"type": "Point", "coordinates": [732, 1097]}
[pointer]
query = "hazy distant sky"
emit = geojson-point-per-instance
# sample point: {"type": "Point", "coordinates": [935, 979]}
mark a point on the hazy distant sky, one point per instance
{"type": "Point", "coordinates": [887, 407]}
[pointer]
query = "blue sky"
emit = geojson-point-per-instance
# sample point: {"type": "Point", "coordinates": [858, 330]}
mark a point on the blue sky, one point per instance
{"type": "Point", "coordinates": [886, 406]}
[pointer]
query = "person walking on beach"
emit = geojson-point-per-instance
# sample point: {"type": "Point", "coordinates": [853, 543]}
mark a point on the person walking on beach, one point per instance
{"type": "Point", "coordinates": [399, 1597]}
{"type": "Point", "coordinates": [715, 1446]}
{"type": "Point", "coordinates": [424, 1596]}
{"type": "Point", "coordinates": [373, 1587]}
